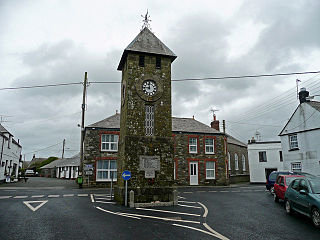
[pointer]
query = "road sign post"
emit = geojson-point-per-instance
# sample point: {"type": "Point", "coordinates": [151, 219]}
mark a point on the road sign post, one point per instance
{"type": "Point", "coordinates": [126, 175]}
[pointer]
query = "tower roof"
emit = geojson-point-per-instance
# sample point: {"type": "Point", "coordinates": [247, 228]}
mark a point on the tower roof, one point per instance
{"type": "Point", "coordinates": [146, 42]}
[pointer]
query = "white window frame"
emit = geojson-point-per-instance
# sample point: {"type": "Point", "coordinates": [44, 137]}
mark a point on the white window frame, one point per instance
{"type": "Point", "coordinates": [296, 167]}
{"type": "Point", "coordinates": [293, 141]}
{"type": "Point", "coordinates": [109, 143]}
{"type": "Point", "coordinates": [193, 145]}
{"type": "Point", "coordinates": [229, 161]}
{"type": "Point", "coordinates": [211, 169]}
{"type": "Point", "coordinates": [109, 170]}
{"type": "Point", "coordinates": [236, 161]}
{"type": "Point", "coordinates": [209, 146]}
{"type": "Point", "coordinates": [243, 158]}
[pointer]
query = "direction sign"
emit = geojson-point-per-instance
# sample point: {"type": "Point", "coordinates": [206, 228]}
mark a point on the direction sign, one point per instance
{"type": "Point", "coordinates": [126, 175]}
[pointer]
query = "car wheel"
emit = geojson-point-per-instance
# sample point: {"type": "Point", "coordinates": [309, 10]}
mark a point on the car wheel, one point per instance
{"type": "Point", "coordinates": [272, 190]}
{"type": "Point", "coordinates": [275, 197]}
{"type": "Point", "coordinates": [316, 217]}
{"type": "Point", "coordinates": [288, 208]}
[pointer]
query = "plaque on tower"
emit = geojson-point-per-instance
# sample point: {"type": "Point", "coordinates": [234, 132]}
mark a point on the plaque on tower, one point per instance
{"type": "Point", "coordinates": [149, 163]}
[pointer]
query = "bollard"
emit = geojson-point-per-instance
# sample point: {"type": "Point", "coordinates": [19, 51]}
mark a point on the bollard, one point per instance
{"type": "Point", "coordinates": [131, 204]}
{"type": "Point", "coordinates": [175, 197]}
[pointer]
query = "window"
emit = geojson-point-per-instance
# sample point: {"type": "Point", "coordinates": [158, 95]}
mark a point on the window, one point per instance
{"type": "Point", "coordinates": [229, 161]}
{"type": "Point", "coordinates": [141, 61]}
{"type": "Point", "coordinates": [210, 170]}
{"type": "Point", "coordinates": [263, 156]}
{"type": "Point", "coordinates": [293, 142]}
{"type": "Point", "coordinates": [236, 161]}
{"type": "Point", "coordinates": [193, 145]}
{"type": "Point", "coordinates": [158, 62]}
{"type": "Point", "coordinates": [209, 147]}
{"type": "Point", "coordinates": [106, 169]}
{"type": "Point", "coordinates": [109, 142]}
{"type": "Point", "coordinates": [149, 121]}
{"type": "Point", "coordinates": [280, 154]}
{"type": "Point", "coordinates": [295, 184]}
{"type": "Point", "coordinates": [243, 158]}
{"type": "Point", "coordinates": [296, 167]}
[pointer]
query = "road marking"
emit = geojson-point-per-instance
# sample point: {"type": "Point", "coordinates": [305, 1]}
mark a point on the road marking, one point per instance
{"type": "Point", "coordinates": [187, 192]}
{"type": "Point", "coordinates": [4, 197]}
{"type": "Point", "coordinates": [105, 202]}
{"type": "Point", "coordinates": [37, 196]}
{"type": "Point", "coordinates": [54, 196]}
{"type": "Point", "coordinates": [119, 214]}
{"type": "Point", "coordinates": [186, 202]}
{"type": "Point", "coordinates": [103, 198]}
{"type": "Point", "coordinates": [188, 206]}
{"type": "Point", "coordinates": [165, 211]}
{"type": "Point", "coordinates": [216, 233]}
{"type": "Point", "coordinates": [101, 195]}
{"type": "Point", "coordinates": [91, 196]}
{"type": "Point", "coordinates": [20, 197]}
{"type": "Point", "coordinates": [205, 209]}
{"type": "Point", "coordinates": [28, 204]}
{"type": "Point", "coordinates": [68, 195]}
{"type": "Point", "coordinates": [235, 191]}
{"type": "Point", "coordinates": [196, 229]}
{"type": "Point", "coordinates": [83, 195]}
{"type": "Point", "coordinates": [181, 197]}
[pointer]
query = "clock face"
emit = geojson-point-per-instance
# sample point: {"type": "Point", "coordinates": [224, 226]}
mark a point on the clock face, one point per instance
{"type": "Point", "coordinates": [149, 87]}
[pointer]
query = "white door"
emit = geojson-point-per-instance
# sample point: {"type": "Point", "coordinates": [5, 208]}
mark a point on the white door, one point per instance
{"type": "Point", "coordinates": [193, 173]}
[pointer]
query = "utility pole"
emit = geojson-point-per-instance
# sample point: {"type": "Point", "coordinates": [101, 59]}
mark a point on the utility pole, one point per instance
{"type": "Point", "coordinates": [63, 144]}
{"type": "Point", "coordinates": [83, 106]}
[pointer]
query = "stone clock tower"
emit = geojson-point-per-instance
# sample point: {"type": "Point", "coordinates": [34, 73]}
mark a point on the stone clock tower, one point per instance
{"type": "Point", "coordinates": [145, 145]}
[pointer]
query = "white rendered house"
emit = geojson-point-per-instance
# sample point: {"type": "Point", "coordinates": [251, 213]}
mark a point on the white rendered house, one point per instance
{"type": "Point", "coordinates": [264, 157]}
{"type": "Point", "coordinates": [300, 138]}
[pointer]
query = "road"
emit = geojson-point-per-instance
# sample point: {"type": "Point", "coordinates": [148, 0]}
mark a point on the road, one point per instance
{"type": "Point", "coordinates": [56, 209]}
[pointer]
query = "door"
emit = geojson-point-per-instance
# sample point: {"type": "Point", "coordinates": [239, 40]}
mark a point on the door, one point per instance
{"type": "Point", "coordinates": [193, 169]}
{"type": "Point", "coordinates": [302, 202]}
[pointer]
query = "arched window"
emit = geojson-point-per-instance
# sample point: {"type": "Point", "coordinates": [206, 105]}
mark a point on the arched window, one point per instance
{"type": "Point", "coordinates": [229, 161]}
{"type": "Point", "coordinates": [243, 163]}
{"type": "Point", "coordinates": [236, 161]}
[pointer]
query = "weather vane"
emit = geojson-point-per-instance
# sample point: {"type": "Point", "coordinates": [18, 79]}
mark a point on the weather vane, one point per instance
{"type": "Point", "coordinates": [146, 21]}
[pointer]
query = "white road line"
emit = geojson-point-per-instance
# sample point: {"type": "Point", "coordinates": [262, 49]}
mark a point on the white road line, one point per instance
{"type": "Point", "coordinates": [103, 198]}
{"type": "Point", "coordinates": [188, 206]}
{"type": "Point", "coordinates": [196, 229]}
{"type": "Point", "coordinates": [91, 196]}
{"type": "Point", "coordinates": [161, 218]}
{"type": "Point", "coordinates": [187, 192]}
{"type": "Point", "coordinates": [205, 209]}
{"type": "Point", "coordinates": [68, 195]}
{"type": "Point", "coordinates": [4, 197]}
{"type": "Point", "coordinates": [186, 202]}
{"type": "Point", "coordinates": [119, 214]}
{"type": "Point", "coordinates": [181, 197]}
{"type": "Point", "coordinates": [105, 202]}
{"type": "Point", "coordinates": [83, 195]}
{"type": "Point", "coordinates": [54, 196]}
{"type": "Point", "coordinates": [102, 195]}
{"type": "Point", "coordinates": [20, 197]}
{"type": "Point", "coordinates": [165, 211]}
{"type": "Point", "coordinates": [218, 235]}
{"type": "Point", "coordinates": [27, 203]}
{"type": "Point", "coordinates": [37, 196]}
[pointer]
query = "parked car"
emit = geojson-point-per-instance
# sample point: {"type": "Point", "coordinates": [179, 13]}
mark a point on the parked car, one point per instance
{"type": "Point", "coordinates": [303, 196]}
{"type": "Point", "coordinates": [29, 173]}
{"type": "Point", "coordinates": [281, 185]}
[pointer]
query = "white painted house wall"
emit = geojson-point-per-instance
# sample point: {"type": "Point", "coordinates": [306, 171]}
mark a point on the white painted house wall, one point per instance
{"type": "Point", "coordinates": [257, 169]}
{"type": "Point", "coordinates": [305, 122]}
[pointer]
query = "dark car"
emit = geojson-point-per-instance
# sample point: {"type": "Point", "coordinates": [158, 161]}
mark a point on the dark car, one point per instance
{"type": "Point", "coordinates": [303, 196]}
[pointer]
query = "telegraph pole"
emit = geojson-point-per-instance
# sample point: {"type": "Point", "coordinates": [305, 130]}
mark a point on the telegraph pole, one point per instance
{"type": "Point", "coordinates": [63, 144]}
{"type": "Point", "coordinates": [83, 106]}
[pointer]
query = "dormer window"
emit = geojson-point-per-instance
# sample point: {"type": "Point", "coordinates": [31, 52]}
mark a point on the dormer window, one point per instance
{"type": "Point", "coordinates": [141, 61]}
{"type": "Point", "coordinates": [158, 62]}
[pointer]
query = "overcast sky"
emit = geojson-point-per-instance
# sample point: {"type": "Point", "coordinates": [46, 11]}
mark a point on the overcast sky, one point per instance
{"type": "Point", "coordinates": [50, 42]}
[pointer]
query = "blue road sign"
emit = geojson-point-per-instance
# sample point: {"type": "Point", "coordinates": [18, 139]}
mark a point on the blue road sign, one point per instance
{"type": "Point", "coordinates": [126, 175]}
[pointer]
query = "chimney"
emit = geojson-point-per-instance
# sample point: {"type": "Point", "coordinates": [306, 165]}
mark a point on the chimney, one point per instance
{"type": "Point", "coordinates": [303, 94]}
{"type": "Point", "coordinates": [34, 156]}
{"type": "Point", "coordinates": [215, 123]}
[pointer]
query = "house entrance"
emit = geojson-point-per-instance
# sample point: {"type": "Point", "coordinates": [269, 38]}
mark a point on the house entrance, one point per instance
{"type": "Point", "coordinates": [193, 169]}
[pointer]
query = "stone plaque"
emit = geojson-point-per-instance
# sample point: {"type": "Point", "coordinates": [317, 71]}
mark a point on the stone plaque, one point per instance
{"type": "Point", "coordinates": [149, 174]}
{"type": "Point", "coordinates": [149, 163]}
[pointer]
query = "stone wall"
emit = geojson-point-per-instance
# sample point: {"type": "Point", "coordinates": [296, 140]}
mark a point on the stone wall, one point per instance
{"type": "Point", "coordinates": [239, 150]}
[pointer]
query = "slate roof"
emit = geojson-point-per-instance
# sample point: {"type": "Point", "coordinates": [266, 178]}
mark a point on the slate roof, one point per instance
{"type": "Point", "coordinates": [3, 130]}
{"type": "Point", "coordinates": [315, 105]}
{"type": "Point", "coordinates": [146, 42]}
{"type": "Point", "coordinates": [235, 141]}
{"type": "Point", "coordinates": [73, 161]}
{"type": "Point", "coordinates": [110, 122]}
{"type": "Point", "coordinates": [53, 164]}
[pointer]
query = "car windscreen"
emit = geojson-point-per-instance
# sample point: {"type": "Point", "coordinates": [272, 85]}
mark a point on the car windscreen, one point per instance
{"type": "Point", "coordinates": [289, 180]}
{"type": "Point", "coordinates": [272, 177]}
{"type": "Point", "coordinates": [315, 185]}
